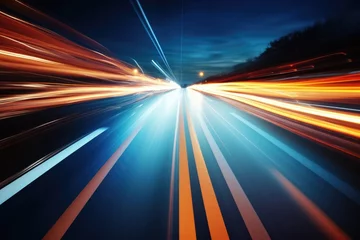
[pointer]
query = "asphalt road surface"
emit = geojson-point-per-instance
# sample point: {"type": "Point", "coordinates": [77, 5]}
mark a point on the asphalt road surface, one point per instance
{"type": "Point", "coordinates": [175, 165]}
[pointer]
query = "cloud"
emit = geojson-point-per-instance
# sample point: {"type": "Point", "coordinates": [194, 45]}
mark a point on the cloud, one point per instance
{"type": "Point", "coordinates": [216, 36]}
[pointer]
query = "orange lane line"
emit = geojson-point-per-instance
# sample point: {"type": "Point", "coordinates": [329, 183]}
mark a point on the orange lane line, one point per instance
{"type": "Point", "coordinates": [213, 213]}
{"type": "Point", "coordinates": [187, 229]}
{"type": "Point", "coordinates": [58, 230]}
{"type": "Point", "coordinates": [252, 221]}
{"type": "Point", "coordinates": [319, 218]}
{"type": "Point", "coordinates": [172, 178]}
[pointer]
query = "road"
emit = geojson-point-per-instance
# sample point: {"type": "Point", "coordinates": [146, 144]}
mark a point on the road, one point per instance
{"type": "Point", "coordinates": [175, 165]}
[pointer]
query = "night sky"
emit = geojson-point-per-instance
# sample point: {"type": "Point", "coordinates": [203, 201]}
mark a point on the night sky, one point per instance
{"type": "Point", "coordinates": [216, 34]}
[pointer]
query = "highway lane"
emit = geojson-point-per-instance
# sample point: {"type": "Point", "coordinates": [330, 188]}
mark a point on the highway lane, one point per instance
{"type": "Point", "coordinates": [258, 160]}
{"type": "Point", "coordinates": [91, 156]}
{"type": "Point", "coordinates": [53, 128]}
{"type": "Point", "coordinates": [132, 201]}
{"type": "Point", "coordinates": [182, 165]}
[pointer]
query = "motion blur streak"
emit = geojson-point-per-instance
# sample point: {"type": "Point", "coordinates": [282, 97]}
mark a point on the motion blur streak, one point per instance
{"type": "Point", "coordinates": [322, 109]}
{"type": "Point", "coordinates": [342, 88]}
{"type": "Point", "coordinates": [145, 22]}
{"type": "Point", "coordinates": [328, 177]}
{"type": "Point", "coordinates": [93, 148]}
{"type": "Point", "coordinates": [58, 230]}
{"type": "Point", "coordinates": [54, 96]}
{"type": "Point", "coordinates": [316, 215]}
{"type": "Point", "coordinates": [33, 49]}
{"type": "Point", "coordinates": [14, 187]}
{"type": "Point", "coordinates": [172, 179]}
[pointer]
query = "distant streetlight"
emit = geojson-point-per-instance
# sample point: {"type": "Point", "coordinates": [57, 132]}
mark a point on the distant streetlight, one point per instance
{"type": "Point", "coordinates": [201, 74]}
{"type": "Point", "coordinates": [135, 71]}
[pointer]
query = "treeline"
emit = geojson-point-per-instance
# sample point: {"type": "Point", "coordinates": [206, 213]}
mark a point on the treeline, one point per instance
{"type": "Point", "coordinates": [333, 35]}
{"type": "Point", "coordinates": [340, 34]}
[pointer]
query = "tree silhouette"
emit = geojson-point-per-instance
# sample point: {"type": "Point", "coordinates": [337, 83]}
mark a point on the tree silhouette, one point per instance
{"type": "Point", "coordinates": [339, 34]}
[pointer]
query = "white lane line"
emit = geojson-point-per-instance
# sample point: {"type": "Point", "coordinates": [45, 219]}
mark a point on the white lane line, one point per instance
{"type": "Point", "coordinates": [172, 178]}
{"type": "Point", "coordinates": [252, 221]}
{"type": "Point", "coordinates": [64, 222]}
{"type": "Point", "coordinates": [333, 107]}
{"type": "Point", "coordinates": [337, 183]}
{"type": "Point", "coordinates": [14, 187]}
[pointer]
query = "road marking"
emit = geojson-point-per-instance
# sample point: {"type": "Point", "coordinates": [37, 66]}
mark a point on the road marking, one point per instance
{"type": "Point", "coordinates": [17, 185]}
{"type": "Point", "coordinates": [252, 221]}
{"type": "Point", "coordinates": [172, 178]}
{"type": "Point", "coordinates": [187, 229]}
{"type": "Point", "coordinates": [213, 213]}
{"type": "Point", "coordinates": [337, 183]}
{"type": "Point", "coordinates": [58, 230]}
{"type": "Point", "coordinates": [315, 214]}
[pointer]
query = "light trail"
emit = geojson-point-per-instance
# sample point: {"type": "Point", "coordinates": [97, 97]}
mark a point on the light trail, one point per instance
{"type": "Point", "coordinates": [316, 215]}
{"type": "Point", "coordinates": [7, 141]}
{"type": "Point", "coordinates": [158, 67]}
{"type": "Point", "coordinates": [330, 229]}
{"type": "Point", "coordinates": [284, 103]}
{"type": "Point", "coordinates": [337, 89]}
{"type": "Point", "coordinates": [145, 22]}
{"type": "Point", "coordinates": [17, 185]}
{"type": "Point", "coordinates": [35, 14]}
{"type": "Point", "coordinates": [29, 47]}
{"type": "Point", "coordinates": [32, 49]}
{"type": "Point", "coordinates": [58, 230]}
{"type": "Point", "coordinates": [172, 177]}
{"type": "Point", "coordinates": [337, 183]}
{"type": "Point", "coordinates": [69, 94]}
{"type": "Point", "coordinates": [137, 64]}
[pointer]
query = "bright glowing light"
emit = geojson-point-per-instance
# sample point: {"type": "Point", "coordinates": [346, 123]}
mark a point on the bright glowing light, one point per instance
{"type": "Point", "coordinates": [175, 85]}
{"type": "Point", "coordinates": [201, 74]}
{"type": "Point", "coordinates": [29, 48]}
{"type": "Point", "coordinates": [196, 99]}
{"type": "Point", "coordinates": [291, 104]}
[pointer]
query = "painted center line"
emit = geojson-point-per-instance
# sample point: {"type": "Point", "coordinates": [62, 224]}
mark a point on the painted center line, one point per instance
{"type": "Point", "coordinates": [187, 230]}
{"type": "Point", "coordinates": [14, 187]}
{"type": "Point", "coordinates": [214, 217]}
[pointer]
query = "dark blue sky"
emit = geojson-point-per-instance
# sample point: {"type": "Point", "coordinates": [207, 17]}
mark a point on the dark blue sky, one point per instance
{"type": "Point", "coordinates": [216, 34]}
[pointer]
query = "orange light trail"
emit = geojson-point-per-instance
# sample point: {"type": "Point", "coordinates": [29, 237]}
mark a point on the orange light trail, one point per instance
{"type": "Point", "coordinates": [31, 49]}
{"type": "Point", "coordinates": [328, 227]}
{"type": "Point", "coordinates": [307, 106]}
{"type": "Point", "coordinates": [28, 47]}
